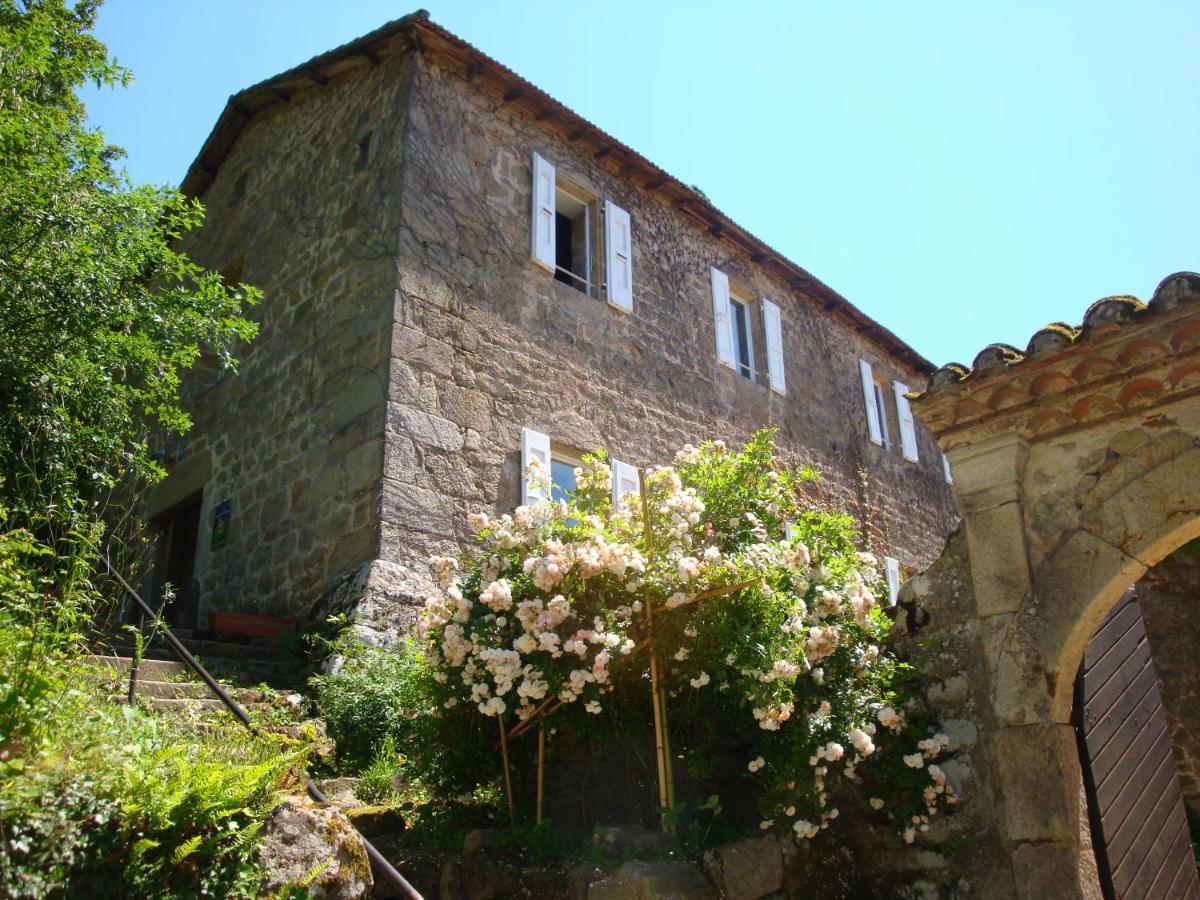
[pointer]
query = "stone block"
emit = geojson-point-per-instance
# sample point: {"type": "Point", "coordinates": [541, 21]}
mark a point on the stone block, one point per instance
{"type": "Point", "coordinates": [356, 396]}
{"type": "Point", "coordinates": [626, 840]}
{"type": "Point", "coordinates": [999, 560]}
{"type": "Point", "coordinates": [1057, 870]}
{"type": "Point", "coordinates": [416, 508]}
{"type": "Point", "coordinates": [371, 821]}
{"type": "Point", "coordinates": [652, 881]}
{"type": "Point", "coordinates": [1039, 782]}
{"type": "Point", "coordinates": [986, 474]}
{"type": "Point", "coordinates": [746, 869]}
{"type": "Point", "coordinates": [424, 428]}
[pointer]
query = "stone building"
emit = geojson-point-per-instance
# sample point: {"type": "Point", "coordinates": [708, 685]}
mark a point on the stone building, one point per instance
{"type": "Point", "coordinates": [461, 273]}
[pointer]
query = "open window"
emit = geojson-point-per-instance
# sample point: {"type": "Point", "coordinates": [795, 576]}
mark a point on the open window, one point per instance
{"type": "Point", "coordinates": [573, 236]}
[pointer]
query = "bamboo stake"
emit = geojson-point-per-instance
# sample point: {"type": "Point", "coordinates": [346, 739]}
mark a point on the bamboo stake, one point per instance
{"type": "Point", "coordinates": [541, 768]}
{"type": "Point", "coordinates": [507, 777]}
{"type": "Point", "coordinates": [662, 698]}
{"type": "Point", "coordinates": [659, 739]}
{"type": "Point", "coordinates": [659, 749]}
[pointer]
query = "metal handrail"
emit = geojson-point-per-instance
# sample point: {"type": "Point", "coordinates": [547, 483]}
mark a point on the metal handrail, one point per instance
{"type": "Point", "coordinates": [378, 863]}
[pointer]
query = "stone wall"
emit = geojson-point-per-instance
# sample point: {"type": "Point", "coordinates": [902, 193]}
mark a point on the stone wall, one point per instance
{"type": "Point", "coordinates": [485, 343]}
{"type": "Point", "coordinates": [1169, 595]}
{"type": "Point", "coordinates": [407, 337]}
{"type": "Point", "coordinates": [306, 207]}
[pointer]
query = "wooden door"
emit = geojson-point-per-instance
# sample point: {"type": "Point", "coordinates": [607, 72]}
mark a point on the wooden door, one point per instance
{"type": "Point", "coordinates": [177, 563]}
{"type": "Point", "coordinates": [1139, 828]}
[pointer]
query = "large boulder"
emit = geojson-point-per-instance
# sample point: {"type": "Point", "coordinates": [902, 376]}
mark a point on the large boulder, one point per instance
{"type": "Point", "coordinates": [315, 846]}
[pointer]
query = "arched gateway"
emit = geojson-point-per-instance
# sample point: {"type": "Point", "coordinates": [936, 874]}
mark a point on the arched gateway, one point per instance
{"type": "Point", "coordinates": [1076, 465]}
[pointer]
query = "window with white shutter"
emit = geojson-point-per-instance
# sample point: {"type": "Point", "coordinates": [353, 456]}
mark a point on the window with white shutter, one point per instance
{"type": "Point", "coordinates": [721, 320]}
{"type": "Point", "coordinates": [946, 469]}
{"type": "Point", "coordinates": [618, 246]}
{"type": "Point", "coordinates": [908, 429]}
{"type": "Point", "coordinates": [544, 225]}
{"type": "Point", "coordinates": [871, 401]}
{"type": "Point", "coordinates": [624, 481]}
{"type": "Point", "coordinates": [773, 327]}
{"type": "Point", "coordinates": [535, 447]}
{"type": "Point", "coordinates": [891, 568]}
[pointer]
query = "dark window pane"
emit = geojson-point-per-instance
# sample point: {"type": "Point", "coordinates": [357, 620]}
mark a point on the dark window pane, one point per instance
{"type": "Point", "coordinates": [562, 247]}
{"type": "Point", "coordinates": [741, 340]}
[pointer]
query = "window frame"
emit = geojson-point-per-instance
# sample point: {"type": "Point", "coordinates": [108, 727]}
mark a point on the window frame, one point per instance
{"type": "Point", "coordinates": [744, 369]}
{"type": "Point", "coordinates": [567, 456]}
{"type": "Point", "coordinates": [885, 429]}
{"type": "Point", "coordinates": [564, 186]}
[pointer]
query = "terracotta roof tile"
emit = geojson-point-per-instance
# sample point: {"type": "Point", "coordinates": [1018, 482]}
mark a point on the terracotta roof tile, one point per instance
{"type": "Point", "coordinates": [1102, 317]}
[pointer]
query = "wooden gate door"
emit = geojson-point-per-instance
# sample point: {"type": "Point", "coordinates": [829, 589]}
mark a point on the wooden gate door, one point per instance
{"type": "Point", "coordinates": [1139, 828]}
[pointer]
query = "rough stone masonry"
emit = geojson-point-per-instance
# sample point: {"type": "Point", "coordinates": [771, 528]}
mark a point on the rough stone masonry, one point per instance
{"type": "Point", "coordinates": [381, 197]}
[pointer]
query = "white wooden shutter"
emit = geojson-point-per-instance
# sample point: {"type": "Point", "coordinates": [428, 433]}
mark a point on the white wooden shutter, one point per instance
{"type": "Point", "coordinates": [720, 299]}
{"type": "Point", "coordinates": [773, 328]}
{"type": "Point", "coordinates": [892, 568]}
{"type": "Point", "coordinates": [624, 481]}
{"type": "Point", "coordinates": [868, 388]}
{"type": "Point", "coordinates": [618, 247]}
{"type": "Point", "coordinates": [544, 253]}
{"type": "Point", "coordinates": [534, 446]}
{"type": "Point", "coordinates": [908, 430]}
{"type": "Point", "coordinates": [946, 470]}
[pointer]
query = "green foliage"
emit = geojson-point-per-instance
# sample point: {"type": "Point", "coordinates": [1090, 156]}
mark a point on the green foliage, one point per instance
{"type": "Point", "coordinates": [99, 311]}
{"type": "Point", "coordinates": [375, 785]}
{"type": "Point", "coordinates": [102, 799]}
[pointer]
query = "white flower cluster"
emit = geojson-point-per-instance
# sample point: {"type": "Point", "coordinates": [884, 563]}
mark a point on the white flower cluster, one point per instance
{"type": "Point", "coordinates": [771, 717]}
{"type": "Point", "coordinates": [496, 654]}
{"type": "Point", "coordinates": [890, 719]}
{"type": "Point", "coordinates": [680, 509]}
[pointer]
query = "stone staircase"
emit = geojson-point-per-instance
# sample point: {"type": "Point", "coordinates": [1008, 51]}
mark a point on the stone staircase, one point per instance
{"type": "Point", "coordinates": [164, 683]}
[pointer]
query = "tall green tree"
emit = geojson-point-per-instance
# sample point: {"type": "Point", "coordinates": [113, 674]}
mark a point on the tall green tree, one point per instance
{"type": "Point", "coordinates": [100, 312]}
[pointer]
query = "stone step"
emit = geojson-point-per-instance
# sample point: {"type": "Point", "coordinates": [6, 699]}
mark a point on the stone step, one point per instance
{"type": "Point", "coordinates": [205, 649]}
{"type": "Point", "coordinates": [151, 669]}
{"type": "Point", "coordinates": [196, 690]}
{"type": "Point", "coordinates": [208, 703]}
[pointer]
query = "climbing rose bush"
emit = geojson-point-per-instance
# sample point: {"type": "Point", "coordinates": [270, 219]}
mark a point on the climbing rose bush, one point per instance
{"type": "Point", "coordinates": [763, 615]}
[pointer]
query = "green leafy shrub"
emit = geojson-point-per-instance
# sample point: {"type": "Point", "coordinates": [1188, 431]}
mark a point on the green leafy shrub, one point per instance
{"type": "Point", "coordinates": [376, 786]}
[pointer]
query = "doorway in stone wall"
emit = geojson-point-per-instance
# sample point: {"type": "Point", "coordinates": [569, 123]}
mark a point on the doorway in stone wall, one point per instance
{"type": "Point", "coordinates": [1139, 829]}
{"type": "Point", "coordinates": [179, 535]}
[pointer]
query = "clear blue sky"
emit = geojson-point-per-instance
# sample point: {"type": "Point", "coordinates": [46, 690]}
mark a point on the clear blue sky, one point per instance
{"type": "Point", "coordinates": [962, 171]}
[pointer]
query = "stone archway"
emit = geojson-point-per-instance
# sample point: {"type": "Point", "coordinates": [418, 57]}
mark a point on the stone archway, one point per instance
{"type": "Point", "coordinates": [1077, 467]}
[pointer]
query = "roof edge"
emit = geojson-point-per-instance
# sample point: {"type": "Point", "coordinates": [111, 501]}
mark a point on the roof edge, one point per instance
{"type": "Point", "coordinates": [427, 36]}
